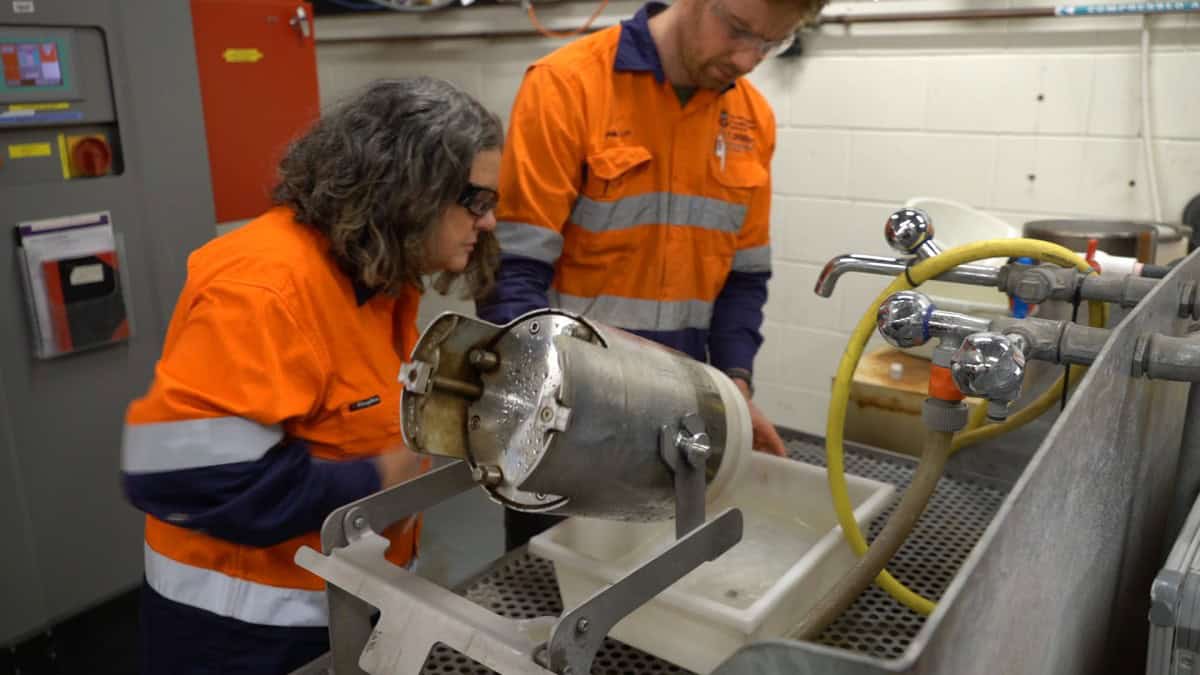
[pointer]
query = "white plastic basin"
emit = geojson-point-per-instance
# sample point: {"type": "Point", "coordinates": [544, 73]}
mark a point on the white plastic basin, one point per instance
{"type": "Point", "coordinates": [791, 552]}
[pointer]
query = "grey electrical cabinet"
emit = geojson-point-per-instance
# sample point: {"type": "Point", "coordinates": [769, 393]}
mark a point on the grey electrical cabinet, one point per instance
{"type": "Point", "coordinates": [1175, 605]}
{"type": "Point", "coordinates": [100, 114]}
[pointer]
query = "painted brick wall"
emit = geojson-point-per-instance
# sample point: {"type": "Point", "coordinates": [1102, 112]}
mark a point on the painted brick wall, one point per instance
{"type": "Point", "coordinates": [1022, 119]}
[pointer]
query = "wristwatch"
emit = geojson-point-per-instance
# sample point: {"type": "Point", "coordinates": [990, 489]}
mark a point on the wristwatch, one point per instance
{"type": "Point", "coordinates": [743, 375]}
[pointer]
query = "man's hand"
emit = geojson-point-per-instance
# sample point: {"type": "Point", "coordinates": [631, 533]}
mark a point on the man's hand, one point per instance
{"type": "Point", "coordinates": [398, 465]}
{"type": "Point", "coordinates": [765, 437]}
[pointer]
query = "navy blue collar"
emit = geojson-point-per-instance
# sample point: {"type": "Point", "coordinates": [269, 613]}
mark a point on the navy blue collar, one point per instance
{"type": "Point", "coordinates": [362, 294]}
{"type": "Point", "coordinates": [636, 51]}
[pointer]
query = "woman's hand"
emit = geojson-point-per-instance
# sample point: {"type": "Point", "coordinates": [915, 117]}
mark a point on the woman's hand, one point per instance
{"type": "Point", "coordinates": [398, 465]}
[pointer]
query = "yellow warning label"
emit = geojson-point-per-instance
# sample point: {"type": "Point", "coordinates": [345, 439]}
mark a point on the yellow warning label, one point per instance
{"type": "Point", "coordinates": [26, 150]}
{"type": "Point", "coordinates": [62, 156]}
{"type": "Point", "coordinates": [39, 106]}
{"type": "Point", "coordinates": [242, 55]}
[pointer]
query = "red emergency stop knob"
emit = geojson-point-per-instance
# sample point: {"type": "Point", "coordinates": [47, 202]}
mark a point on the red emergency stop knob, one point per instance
{"type": "Point", "coordinates": [91, 157]}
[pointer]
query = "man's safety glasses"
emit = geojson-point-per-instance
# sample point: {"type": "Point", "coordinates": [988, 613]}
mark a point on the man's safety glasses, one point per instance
{"type": "Point", "coordinates": [747, 38]}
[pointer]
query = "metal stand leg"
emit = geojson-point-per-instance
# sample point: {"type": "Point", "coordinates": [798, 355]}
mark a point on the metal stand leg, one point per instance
{"type": "Point", "coordinates": [580, 633]}
{"type": "Point", "coordinates": [350, 617]}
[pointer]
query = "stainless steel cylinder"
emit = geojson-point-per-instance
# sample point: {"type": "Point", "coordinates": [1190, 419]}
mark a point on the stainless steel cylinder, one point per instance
{"type": "Point", "coordinates": [572, 416]}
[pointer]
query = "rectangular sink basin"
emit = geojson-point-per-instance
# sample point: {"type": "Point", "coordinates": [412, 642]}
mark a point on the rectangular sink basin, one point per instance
{"type": "Point", "coordinates": [791, 552]}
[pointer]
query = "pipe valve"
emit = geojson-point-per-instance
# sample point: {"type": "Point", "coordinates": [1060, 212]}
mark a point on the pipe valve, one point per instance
{"type": "Point", "coordinates": [910, 319]}
{"type": "Point", "coordinates": [992, 366]}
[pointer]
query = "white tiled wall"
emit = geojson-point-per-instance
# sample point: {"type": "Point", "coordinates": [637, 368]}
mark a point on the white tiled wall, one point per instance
{"type": "Point", "coordinates": [1023, 119]}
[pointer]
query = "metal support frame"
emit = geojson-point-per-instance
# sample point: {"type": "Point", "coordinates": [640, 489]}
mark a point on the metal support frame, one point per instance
{"type": "Point", "coordinates": [415, 614]}
{"type": "Point", "coordinates": [580, 633]}
{"type": "Point", "coordinates": [349, 616]}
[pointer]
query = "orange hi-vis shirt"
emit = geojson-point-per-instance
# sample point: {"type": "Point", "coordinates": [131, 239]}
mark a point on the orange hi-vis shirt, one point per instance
{"type": "Point", "coordinates": [624, 205]}
{"type": "Point", "coordinates": [277, 384]}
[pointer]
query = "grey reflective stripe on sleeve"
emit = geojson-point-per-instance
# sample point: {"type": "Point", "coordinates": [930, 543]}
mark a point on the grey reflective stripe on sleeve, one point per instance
{"type": "Point", "coordinates": [193, 444]}
{"type": "Point", "coordinates": [637, 314]}
{"type": "Point", "coordinates": [658, 208]}
{"type": "Point", "coordinates": [530, 241]}
{"type": "Point", "coordinates": [757, 259]}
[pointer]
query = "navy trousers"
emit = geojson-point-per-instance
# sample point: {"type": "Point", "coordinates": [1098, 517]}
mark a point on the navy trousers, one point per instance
{"type": "Point", "coordinates": [179, 639]}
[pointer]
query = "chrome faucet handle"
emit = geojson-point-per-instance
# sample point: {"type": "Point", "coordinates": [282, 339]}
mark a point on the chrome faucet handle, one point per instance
{"type": "Point", "coordinates": [992, 366]}
{"type": "Point", "coordinates": [903, 319]}
{"type": "Point", "coordinates": [910, 231]}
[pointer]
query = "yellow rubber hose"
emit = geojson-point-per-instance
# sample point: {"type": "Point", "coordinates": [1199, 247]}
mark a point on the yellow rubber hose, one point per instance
{"type": "Point", "coordinates": [977, 418]}
{"type": "Point", "coordinates": [920, 273]}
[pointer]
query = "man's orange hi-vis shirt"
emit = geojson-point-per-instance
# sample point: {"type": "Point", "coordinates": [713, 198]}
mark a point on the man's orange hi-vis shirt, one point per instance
{"type": "Point", "coordinates": [624, 205]}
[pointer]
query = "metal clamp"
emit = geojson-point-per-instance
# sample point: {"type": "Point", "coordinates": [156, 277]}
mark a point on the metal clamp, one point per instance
{"type": "Point", "coordinates": [686, 451]}
{"type": "Point", "coordinates": [417, 377]}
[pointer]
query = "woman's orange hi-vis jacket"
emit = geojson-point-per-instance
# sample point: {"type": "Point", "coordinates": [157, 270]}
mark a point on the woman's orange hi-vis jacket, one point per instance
{"type": "Point", "coordinates": [277, 383]}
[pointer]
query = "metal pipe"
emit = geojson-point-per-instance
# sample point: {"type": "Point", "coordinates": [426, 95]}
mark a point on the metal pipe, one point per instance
{"type": "Point", "coordinates": [837, 19]}
{"type": "Point", "coordinates": [1036, 285]}
{"type": "Point", "coordinates": [1125, 291]}
{"type": "Point", "coordinates": [955, 326]}
{"type": "Point", "coordinates": [1080, 345]}
{"type": "Point", "coordinates": [1060, 11]}
{"type": "Point", "coordinates": [1041, 336]}
{"type": "Point", "coordinates": [947, 15]}
{"type": "Point", "coordinates": [1163, 357]}
{"type": "Point", "coordinates": [1055, 341]}
{"type": "Point", "coordinates": [457, 387]}
{"type": "Point", "coordinates": [975, 275]}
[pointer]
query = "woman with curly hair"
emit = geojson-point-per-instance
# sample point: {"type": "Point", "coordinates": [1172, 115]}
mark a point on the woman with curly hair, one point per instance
{"type": "Point", "coordinates": [276, 397]}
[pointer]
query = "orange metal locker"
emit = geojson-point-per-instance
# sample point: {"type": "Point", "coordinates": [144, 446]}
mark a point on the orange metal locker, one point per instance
{"type": "Point", "coordinates": [258, 81]}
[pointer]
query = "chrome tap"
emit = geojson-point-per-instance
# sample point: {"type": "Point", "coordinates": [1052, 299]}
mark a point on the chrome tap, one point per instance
{"type": "Point", "coordinates": [910, 319]}
{"type": "Point", "coordinates": [910, 232]}
{"type": "Point", "coordinates": [992, 366]}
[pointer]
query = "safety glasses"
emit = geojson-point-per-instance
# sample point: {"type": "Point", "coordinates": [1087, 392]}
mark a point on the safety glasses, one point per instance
{"type": "Point", "coordinates": [478, 199]}
{"type": "Point", "coordinates": [738, 32]}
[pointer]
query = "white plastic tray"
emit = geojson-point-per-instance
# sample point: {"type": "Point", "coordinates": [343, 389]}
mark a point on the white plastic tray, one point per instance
{"type": "Point", "coordinates": [791, 552]}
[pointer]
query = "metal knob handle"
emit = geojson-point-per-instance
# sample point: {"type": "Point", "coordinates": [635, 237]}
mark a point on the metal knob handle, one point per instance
{"type": "Point", "coordinates": [903, 319]}
{"type": "Point", "coordinates": [992, 366]}
{"type": "Point", "coordinates": [692, 440]}
{"type": "Point", "coordinates": [910, 231]}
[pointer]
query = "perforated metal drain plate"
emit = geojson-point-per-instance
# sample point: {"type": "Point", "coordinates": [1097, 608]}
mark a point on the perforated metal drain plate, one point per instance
{"type": "Point", "coordinates": [876, 624]}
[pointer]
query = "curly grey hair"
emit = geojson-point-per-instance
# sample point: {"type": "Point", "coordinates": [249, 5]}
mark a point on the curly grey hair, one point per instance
{"type": "Point", "coordinates": [376, 173]}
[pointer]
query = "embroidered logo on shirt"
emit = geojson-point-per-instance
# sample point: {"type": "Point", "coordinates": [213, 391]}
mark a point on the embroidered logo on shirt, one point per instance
{"type": "Point", "coordinates": [365, 403]}
{"type": "Point", "coordinates": [739, 132]}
